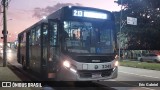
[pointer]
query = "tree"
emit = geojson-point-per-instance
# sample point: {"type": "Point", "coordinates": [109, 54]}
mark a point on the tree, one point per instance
{"type": "Point", "coordinates": [146, 34]}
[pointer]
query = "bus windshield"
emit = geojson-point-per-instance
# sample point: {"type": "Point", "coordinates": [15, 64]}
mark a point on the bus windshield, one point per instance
{"type": "Point", "coordinates": [87, 37]}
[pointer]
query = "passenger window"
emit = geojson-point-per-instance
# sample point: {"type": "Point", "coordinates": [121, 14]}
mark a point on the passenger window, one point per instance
{"type": "Point", "coordinates": [30, 38]}
{"type": "Point", "coordinates": [24, 37]}
{"type": "Point", "coordinates": [21, 39]}
{"type": "Point", "coordinates": [38, 35]}
{"type": "Point", "coordinates": [45, 35]}
{"type": "Point", "coordinates": [53, 34]}
{"type": "Point", "coordinates": [33, 36]}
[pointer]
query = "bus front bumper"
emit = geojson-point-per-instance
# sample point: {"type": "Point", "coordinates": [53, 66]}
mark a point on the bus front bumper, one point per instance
{"type": "Point", "coordinates": [68, 75]}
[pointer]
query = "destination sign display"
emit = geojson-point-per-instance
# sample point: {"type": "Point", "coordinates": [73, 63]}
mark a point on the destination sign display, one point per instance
{"type": "Point", "coordinates": [89, 14]}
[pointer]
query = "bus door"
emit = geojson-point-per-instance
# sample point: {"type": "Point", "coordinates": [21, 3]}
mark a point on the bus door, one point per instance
{"type": "Point", "coordinates": [53, 48]}
{"type": "Point", "coordinates": [18, 52]}
{"type": "Point", "coordinates": [28, 42]}
{"type": "Point", "coordinates": [44, 49]}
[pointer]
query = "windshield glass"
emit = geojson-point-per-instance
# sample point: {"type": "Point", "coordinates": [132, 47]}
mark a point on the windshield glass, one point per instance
{"type": "Point", "coordinates": [86, 37]}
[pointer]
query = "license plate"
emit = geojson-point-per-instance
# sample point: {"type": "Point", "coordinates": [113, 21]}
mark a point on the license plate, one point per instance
{"type": "Point", "coordinates": [102, 67]}
{"type": "Point", "coordinates": [108, 66]}
{"type": "Point", "coordinates": [97, 75]}
{"type": "Point", "coordinates": [96, 66]}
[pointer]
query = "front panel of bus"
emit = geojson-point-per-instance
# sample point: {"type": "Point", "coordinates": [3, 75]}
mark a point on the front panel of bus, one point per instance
{"type": "Point", "coordinates": [84, 44]}
{"type": "Point", "coordinates": [87, 45]}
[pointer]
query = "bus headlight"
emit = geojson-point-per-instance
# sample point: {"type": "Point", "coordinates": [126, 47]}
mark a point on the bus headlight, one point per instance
{"type": "Point", "coordinates": [116, 63]}
{"type": "Point", "coordinates": [66, 64]}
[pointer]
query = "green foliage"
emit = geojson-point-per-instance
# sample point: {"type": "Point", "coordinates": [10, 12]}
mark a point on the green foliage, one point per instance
{"type": "Point", "coordinates": [146, 34]}
{"type": "Point", "coordinates": [144, 65]}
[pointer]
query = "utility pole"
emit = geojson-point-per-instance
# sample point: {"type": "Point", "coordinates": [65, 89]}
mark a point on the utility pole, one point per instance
{"type": "Point", "coordinates": [120, 31]}
{"type": "Point", "coordinates": [5, 4]}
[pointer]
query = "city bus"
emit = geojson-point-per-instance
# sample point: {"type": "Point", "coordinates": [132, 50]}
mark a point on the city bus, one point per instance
{"type": "Point", "coordinates": [72, 44]}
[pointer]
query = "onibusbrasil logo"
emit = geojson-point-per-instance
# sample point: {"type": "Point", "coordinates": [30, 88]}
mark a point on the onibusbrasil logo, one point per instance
{"type": "Point", "coordinates": [20, 84]}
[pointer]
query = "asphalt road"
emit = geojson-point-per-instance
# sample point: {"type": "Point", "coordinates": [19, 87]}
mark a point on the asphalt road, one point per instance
{"type": "Point", "coordinates": [125, 74]}
{"type": "Point", "coordinates": [132, 77]}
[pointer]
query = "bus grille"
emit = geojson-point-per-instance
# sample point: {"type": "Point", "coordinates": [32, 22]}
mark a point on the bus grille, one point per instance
{"type": "Point", "coordinates": [88, 73]}
{"type": "Point", "coordinates": [88, 59]}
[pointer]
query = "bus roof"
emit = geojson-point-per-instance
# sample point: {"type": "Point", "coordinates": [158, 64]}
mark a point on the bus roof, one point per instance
{"type": "Point", "coordinates": [37, 23]}
{"type": "Point", "coordinates": [62, 13]}
{"type": "Point", "coordinates": [87, 8]}
{"type": "Point", "coordinates": [67, 11]}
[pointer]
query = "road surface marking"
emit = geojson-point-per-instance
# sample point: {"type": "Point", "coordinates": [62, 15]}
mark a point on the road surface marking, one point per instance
{"type": "Point", "coordinates": [147, 88]}
{"type": "Point", "coordinates": [139, 75]}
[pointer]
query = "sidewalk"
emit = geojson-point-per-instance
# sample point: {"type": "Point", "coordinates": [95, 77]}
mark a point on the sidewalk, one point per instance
{"type": "Point", "coordinates": [6, 74]}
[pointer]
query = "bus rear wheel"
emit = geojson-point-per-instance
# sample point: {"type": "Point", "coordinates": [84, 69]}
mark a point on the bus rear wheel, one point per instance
{"type": "Point", "coordinates": [156, 61]}
{"type": "Point", "coordinates": [141, 60]}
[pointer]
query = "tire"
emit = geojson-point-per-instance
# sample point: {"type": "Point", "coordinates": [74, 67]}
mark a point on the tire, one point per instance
{"type": "Point", "coordinates": [141, 60]}
{"type": "Point", "coordinates": [156, 61]}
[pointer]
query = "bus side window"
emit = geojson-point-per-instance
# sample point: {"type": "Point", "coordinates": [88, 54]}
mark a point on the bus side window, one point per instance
{"type": "Point", "coordinates": [45, 35]}
{"type": "Point", "coordinates": [53, 34]}
{"type": "Point", "coordinates": [24, 37]}
{"type": "Point", "coordinates": [33, 36]}
{"type": "Point", "coordinates": [30, 38]}
{"type": "Point", "coordinates": [21, 40]}
{"type": "Point", "coordinates": [37, 39]}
